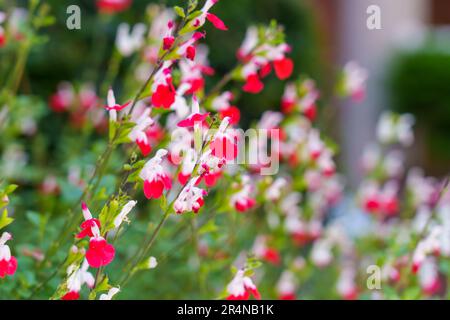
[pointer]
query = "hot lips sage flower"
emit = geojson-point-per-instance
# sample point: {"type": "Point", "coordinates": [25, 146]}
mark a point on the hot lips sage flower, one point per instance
{"type": "Point", "coordinates": [100, 253]}
{"type": "Point", "coordinates": [8, 263]}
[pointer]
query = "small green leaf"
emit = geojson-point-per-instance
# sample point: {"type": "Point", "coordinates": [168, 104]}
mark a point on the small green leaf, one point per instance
{"type": "Point", "coordinates": [179, 11]}
{"type": "Point", "coordinates": [5, 220]}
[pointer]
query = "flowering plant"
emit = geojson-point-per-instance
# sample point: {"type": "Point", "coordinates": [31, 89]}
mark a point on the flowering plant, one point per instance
{"type": "Point", "coordinates": [153, 180]}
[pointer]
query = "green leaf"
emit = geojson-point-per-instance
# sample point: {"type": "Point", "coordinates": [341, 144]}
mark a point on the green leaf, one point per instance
{"type": "Point", "coordinates": [11, 188]}
{"type": "Point", "coordinates": [179, 11]}
{"type": "Point", "coordinates": [208, 227]}
{"type": "Point", "coordinates": [5, 220]}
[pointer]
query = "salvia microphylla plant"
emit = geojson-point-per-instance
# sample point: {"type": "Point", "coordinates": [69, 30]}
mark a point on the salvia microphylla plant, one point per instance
{"type": "Point", "coordinates": [168, 153]}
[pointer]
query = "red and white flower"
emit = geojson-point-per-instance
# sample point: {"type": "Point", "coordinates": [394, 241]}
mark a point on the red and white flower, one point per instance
{"type": "Point", "coordinates": [139, 132]}
{"type": "Point", "coordinates": [155, 177]}
{"type": "Point", "coordinates": [169, 39]}
{"type": "Point", "coordinates": [195, 119]}
{"type": "Point", "coordinates": [88, 223]}
{"type": "Point", "coordinates": [77, 277]}
{"type": "Point", "coordinates": [346, 284]}
{"type": "Point", "coordinates": [205, 15]}
{"type": "Point", "coordinates": [100, 252]}
{"type": "Point", "coordinates": [187, 49]}
{"type": "Point", "coordinates": [190, 198]}
{"type": "Point", "coordinates": [286, 286]}
{"type": "Point", "coordinates": [224, 143]}
{"type": "Point", "coordinates": [163, 91]}
{"type": "Point", "coordinates": [113, 107]}
{"type": "Point", "coordinates": [242, 200]}
{"type": "Point", "coordinates": [241, 287]}
{"type": "Point", "coordinates": [63, 98]}
{"type": "Point", "coordinates": [355, 78]}
{"type": "Point", "coordinates": [2, 31]}
{"type": "Point", "coordinates": [8, 263]}
{"type": "Point", "coordinates": [264, 252]}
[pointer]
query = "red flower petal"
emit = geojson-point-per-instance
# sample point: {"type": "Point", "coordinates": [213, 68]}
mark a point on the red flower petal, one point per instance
{"type": "Point", "coordinates": [253, 84]}
{"type": "Point", "coordinates": [233, 113]}
{"type": "Point", "coordinates": [100, 253]}
{"type": "Point", "coordinates": [164, 96]}
{"type": "Point", "coordinates": [71, 295]}
{"type": "Point", "coordinates": [153, 189]}
{"type": "Point", "coordinates": [145, 147]}
{"type": "Point", "coordinates": [216, 21]}
{"type": "Point", "coordinates": [283, 68]}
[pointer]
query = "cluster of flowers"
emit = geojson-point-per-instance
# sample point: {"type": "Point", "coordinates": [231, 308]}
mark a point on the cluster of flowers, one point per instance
{"type": "Point", "coordinates": [204, 146]}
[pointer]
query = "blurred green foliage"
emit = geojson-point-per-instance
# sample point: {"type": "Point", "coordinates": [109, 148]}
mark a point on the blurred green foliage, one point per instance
{"type": "Point", "coordinates": [419, 83]}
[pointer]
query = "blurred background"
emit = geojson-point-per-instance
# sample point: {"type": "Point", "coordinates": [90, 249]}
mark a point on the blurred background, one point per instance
{"type": "Point", "coordinates": [408, 60]}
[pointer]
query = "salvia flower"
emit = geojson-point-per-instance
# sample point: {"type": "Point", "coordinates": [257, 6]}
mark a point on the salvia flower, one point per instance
{"type": "Point", "coordinates": [205, 15]}
{"type": "Point", "coordinates": [163, 91]}
{"type": "Point", "coordinates": [242, 200]}
{"type": "Point", "coordinates": [241, 287]}
{"type": "Point", "coordinates": [113, 107]}
{"type": "Point", "coordinates": [123, 214]}
{"type": "Point", "coordinates": [286, 286]}
{"type": "Point", "coordinates": [2, 31]}
{"type": "Point", "coordinates": [88, 223]}
{"type": "Point", "coordinates": [355, 78]}
{"type": "Point", "coordinates": [139, 132]}
{"type": "Point", "coordinates": [100, 252]}
{"type": "Point", "coordinates": [190, 198]}
{"type": "Point", "coordinates": [8, 263]}
{"type": "Point", "coordinates": [156, 179]}
{"type": "Point", "coordinates": [77, 277]}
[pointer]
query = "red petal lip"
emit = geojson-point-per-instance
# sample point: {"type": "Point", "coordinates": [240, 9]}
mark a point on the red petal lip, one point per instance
{"type": "Point", "coordinates": [118, 107]}
{"type": "Point", "coordinates": [253, 84]}
{"type": "Point", "coordinates": [100, 253]}
{"type": "Point", "coordinates": [195, 118]}
{"type": "Point", "coordinates": [283, 68]}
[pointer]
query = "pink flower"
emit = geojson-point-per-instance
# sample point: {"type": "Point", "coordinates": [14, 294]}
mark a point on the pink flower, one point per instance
{"type": "Point", "coordinates": [156, 180]}
{"type": "Point", "coordinates": [113, 6]}
{"type": "Point", "coordinates": [241, 287]}
{"type": "Point", "coordinates": [8, 263]}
